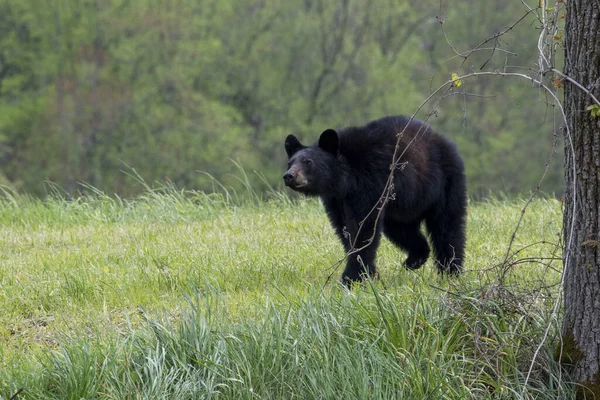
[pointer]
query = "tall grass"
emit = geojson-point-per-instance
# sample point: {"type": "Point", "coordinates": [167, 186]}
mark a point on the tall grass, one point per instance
{"type": "Point", "coordinates": [340, 346]}
{"type": "Point", "coordinates": [186, 295]}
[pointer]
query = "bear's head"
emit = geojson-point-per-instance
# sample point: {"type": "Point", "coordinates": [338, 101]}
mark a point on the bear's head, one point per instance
{"type": "Point", "coordinates": [310, 169]}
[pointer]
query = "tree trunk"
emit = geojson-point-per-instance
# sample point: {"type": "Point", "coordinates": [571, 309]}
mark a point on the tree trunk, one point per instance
{"type": "Point", "coordinates": [580, 347]}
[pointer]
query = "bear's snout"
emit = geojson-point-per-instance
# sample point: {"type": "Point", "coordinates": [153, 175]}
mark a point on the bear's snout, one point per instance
{"type": "Point", "coordinates": [288, 178]}
{"type": "Point", "coordinates": [294, 179]}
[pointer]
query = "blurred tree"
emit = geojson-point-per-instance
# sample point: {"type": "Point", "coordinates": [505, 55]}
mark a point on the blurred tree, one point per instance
{"type": "Point", "coordinates": [174, 87]}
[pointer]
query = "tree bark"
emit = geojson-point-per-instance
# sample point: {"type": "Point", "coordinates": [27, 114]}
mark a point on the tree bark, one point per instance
{"type": "Point", "coordinates": [579, 351]}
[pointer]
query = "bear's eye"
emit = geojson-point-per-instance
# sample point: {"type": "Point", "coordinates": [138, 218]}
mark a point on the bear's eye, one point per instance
{"type": "Point", "coordinates": [306, 161]}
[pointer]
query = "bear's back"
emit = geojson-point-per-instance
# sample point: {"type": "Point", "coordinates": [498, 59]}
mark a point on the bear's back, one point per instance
{"type": "Point", "coordinates": [421, 156]}
{"type": "Point", "coordinates": [375, 142]}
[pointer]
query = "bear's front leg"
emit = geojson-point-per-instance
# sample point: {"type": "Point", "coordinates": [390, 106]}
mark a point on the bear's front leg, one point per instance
{"type": "Point", "coordinates": [335, 212]}
{"type": "Point", "coordinates": [364, 236]}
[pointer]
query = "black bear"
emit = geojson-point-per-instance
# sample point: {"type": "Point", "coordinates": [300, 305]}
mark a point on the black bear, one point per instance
{"type": "Point", "coordinates": [349, 170]}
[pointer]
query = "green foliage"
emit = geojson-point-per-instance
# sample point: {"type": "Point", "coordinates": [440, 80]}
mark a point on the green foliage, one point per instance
{"type": "Point", "coordinates": [594, 110]}
{"type": "Point", "coordinates": [91, 88]}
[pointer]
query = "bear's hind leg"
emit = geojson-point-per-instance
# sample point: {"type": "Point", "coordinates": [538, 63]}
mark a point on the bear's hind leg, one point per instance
{"type": "Point", "coordinates": [408, 237]}
{"type": "Point", "coordinates": [447, 233]}
{"type": "Point", "coordinates": [446, 223]}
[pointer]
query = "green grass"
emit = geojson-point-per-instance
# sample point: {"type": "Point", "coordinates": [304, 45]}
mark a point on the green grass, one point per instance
{"type": "Point", "coordinates": [187, 295]}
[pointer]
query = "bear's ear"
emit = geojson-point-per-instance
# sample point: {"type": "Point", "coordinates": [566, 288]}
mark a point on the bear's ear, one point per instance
{"type": "Point", "coordinates": [329, 141]}
{"type": "Point", "coordinates": [292, 145]}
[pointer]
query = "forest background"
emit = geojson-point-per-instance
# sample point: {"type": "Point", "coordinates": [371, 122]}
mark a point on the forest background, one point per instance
{"type": "Point", "coordinates": [183, 91]}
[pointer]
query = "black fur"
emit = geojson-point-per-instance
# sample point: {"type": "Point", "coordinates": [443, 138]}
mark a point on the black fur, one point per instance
{"type": "Point", "coordinates": [349, 169]}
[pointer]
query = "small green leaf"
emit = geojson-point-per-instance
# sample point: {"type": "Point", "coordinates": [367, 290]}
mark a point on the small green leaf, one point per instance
{"type": "Point", "coordinates": [594, 110]}
{"type": "Point", "coordinates": [455, 81]}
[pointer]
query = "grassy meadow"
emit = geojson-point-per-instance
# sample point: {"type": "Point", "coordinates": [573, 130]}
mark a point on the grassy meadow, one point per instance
{"type": "Point", "coordinates": [185, 295]}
